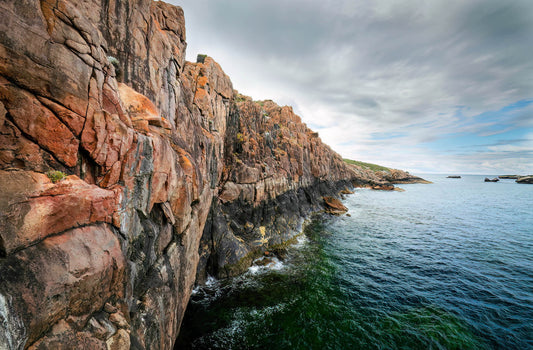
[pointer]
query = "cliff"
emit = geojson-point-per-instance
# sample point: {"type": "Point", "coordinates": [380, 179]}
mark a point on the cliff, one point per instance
{"type": "Point", "coordinates": [127, 173]}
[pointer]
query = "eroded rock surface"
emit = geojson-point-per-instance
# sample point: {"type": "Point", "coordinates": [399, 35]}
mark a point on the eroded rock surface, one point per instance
{"type": "Point", "coordinates": [169, 174]}
{"type": "Point", "coordinates": [276, 172]}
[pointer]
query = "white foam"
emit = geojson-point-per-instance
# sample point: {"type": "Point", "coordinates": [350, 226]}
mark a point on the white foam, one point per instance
{"type": "Point", "coordinates": [275, 264]}
{"type": "Point", "coordinates": [301, 241]}
{"type": "Point", "coordinates": [210, 284]}
{"type": "Point", "coordinates": [211, 281]}
{"type": "Point", "coordinates": [254, 269]}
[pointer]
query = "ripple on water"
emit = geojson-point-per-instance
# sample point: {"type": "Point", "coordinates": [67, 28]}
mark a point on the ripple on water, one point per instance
{"type": "Point", "coordinates": [439, 266]}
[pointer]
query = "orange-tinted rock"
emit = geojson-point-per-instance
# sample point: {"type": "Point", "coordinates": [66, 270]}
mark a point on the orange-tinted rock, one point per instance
{"type": "Point", "coordinates": [37, 121]}
{"type": "Point", "coordinates": [383, 187]}
{"type": "Point", "coordinates": [346, 191]}
{"type": "Point", "coordinates": [33, 208]}
{"type": "Point", "coordinates": [334, 206]}
{"type": "Point", "coordinates": [139, 107]}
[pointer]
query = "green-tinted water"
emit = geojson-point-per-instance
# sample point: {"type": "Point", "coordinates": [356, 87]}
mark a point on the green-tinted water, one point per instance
{"type": "Point", "coordinates": [424, 269]}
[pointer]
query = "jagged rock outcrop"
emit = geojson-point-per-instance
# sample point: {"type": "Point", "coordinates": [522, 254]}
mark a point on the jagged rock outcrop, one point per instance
{"type": "Point", "coordinates": [276, 172]}
{"type": "Point", "coordinates": [334, 206]}
{"type": "Point", "coordinates": [165, 174]}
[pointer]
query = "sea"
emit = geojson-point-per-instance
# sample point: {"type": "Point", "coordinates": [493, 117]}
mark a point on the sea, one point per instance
{"type": "Point", "coordinates": [447, 265]}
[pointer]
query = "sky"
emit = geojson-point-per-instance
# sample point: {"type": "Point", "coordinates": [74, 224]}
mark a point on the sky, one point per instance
{"type": "Point", "coordinates": [440, 86]}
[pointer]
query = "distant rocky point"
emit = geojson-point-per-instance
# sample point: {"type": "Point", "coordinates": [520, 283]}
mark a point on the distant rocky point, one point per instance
{"type": "Point", "coordinates": [453, 177]}
{"type": "Point", "coordinates": [525, 179]}
{"type": "Point", "coordinates": [509, 177]}
{"type": "Point", "coordinates": [383, 178]}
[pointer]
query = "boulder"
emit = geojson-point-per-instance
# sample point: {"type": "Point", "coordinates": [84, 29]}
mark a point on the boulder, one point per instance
{"type": "Point", "coordinates": [334, 206]}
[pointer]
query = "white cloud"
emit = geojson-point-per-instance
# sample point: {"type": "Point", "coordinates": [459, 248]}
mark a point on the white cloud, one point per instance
{"type": "Point", "coordinates": [414, 68]}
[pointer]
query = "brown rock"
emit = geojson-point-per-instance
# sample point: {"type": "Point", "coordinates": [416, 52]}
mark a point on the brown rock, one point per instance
{"type": "Point", "coordinates": [110, 308]}
{"type": "Point", "coordinates": [383, 187]}
{"type": "Point", "coordinates": [106, 138]}
{"type": "Point", "coordinates": [34, 208]}
{"type": "Point", "coordinates": [120, 341]}
{"type": "Point", "coordinates": [63, 337]}
{"type": "Point", "coordinates": [346, 191]}
{"type": "Point", "coordinates": [118, 319]}
{"type": "Point", "coordinates": [72, 273]}
{"type": "Point", "coordinates": [100, 327]}
{"type": "Point", "coordinates": [37, 121]}
{"type": "Point", "coordinates": [396, 176]}
{"type": "Point", "coordinates": [334, 206]}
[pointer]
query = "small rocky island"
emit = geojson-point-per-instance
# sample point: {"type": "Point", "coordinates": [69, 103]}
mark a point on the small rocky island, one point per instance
{"type": "Point", "coordinates": [521, 179]}
{"type": "Point", "coordinates": [453, 177]}
{"type": "Point", "coordinates": [492, 180]}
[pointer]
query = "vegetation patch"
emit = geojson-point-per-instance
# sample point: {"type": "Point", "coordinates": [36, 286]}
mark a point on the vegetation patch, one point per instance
{"type": "Point", "coordinates": [56, 175]}
{"type": "Point", "coordinates": [201, 58]}
{"type": "Point", "coordinates": [240, 138]}
{"type": "Point", "coordinates": [240, 98]}
{"type": "Point", "coordinates": [369, 166]}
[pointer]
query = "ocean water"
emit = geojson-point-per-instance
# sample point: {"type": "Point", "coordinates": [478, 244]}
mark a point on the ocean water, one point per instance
{"type": "Point", "coordinates": [447, 265]}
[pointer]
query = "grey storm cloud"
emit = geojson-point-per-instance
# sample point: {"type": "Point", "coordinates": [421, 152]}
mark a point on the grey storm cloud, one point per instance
{"type": "Point", "coordinates": [392, 64]}
{"type": "Point", "coordinates": [467, 50]}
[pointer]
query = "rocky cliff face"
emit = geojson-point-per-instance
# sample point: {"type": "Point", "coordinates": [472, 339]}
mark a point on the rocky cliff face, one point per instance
{"type": "Point", "coordinates": [160, 168]}
{"type": "Point", "coordinates": [276, 172]}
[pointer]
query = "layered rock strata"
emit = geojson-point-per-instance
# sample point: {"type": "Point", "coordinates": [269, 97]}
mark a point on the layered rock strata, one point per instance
{"type": "Point", "coordinates": [165, 174]}
{"type": "Point", "coordinates": [276, 172]}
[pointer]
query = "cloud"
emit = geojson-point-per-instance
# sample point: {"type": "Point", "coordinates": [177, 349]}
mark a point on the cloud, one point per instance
{"type": "Point", "coordinates": [524, 146]}
{"type": "Point", "coordinates": [353, 69]}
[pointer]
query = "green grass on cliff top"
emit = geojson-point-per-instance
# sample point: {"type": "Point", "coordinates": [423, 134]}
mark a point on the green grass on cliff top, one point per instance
{"type": "Point", "coordinates": [370, 166]}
